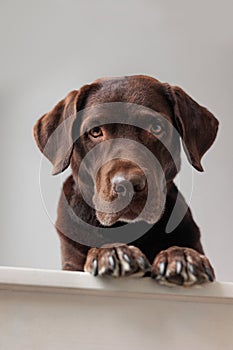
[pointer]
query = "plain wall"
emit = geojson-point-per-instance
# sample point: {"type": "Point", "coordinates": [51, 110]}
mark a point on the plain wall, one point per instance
{"type": "Point", "coordinates": [51, 47]}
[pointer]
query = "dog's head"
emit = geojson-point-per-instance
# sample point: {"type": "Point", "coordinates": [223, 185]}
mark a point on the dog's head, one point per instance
{"type": "Point", "coordinates": [121, 136]}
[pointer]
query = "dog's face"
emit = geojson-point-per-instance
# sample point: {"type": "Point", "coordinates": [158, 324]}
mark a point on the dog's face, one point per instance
{"type": "Point", "coordinates": [121, 136]}
{"type": "Point", "coordinates": [127, 144]}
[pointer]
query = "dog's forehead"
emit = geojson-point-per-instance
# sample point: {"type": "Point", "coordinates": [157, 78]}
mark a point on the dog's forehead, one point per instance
{"type": "Point", "coordinates": [136, 90]}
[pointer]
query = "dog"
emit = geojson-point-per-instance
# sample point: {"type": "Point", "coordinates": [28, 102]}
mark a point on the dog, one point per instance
{"type": "Point", "coordinates": [122, 138]}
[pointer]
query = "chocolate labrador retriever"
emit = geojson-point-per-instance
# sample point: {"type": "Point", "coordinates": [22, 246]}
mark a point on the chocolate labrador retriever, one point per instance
{"type": "Point", "coordinates": [121, 137]}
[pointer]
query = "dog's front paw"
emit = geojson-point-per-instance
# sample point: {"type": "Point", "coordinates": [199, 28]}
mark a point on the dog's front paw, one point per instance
{"type": "Point", "coordinates": [182, 266]}
{"type": "Point", "coordinates": [116, 261]}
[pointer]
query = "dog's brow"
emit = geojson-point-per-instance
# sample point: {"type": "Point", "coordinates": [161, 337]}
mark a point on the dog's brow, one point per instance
{"type": "Point", "coordinates": [137, 118]}
{"type": "Point", "coordinates": [93, 121]}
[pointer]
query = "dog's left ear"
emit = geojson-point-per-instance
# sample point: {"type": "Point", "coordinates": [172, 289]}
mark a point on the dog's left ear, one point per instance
{"type": "Point", "coordinates": [196, 125]}
{"type": "Point", "coordinates": [53, 131]}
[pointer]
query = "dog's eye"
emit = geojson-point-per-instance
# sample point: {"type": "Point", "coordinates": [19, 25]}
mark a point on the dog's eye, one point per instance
{"type": "Point", "coordinates": [96, 132]}
{"type": "Point", "coordinates": [156, 129]}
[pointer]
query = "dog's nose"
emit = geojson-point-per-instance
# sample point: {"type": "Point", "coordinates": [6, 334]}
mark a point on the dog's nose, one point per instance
{"type": "Point", "coordinates": [128, 183]}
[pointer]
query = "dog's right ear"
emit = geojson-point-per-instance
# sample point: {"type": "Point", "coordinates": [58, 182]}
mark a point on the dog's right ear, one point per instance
{"type": "Point", "coordinates": [53, 131]}
{"type": "Point", "coordinates": [196, 125]}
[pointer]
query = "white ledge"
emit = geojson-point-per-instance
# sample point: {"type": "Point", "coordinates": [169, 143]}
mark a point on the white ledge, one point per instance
{"type": "Point", "coordinates": [65, 282]}
{"type": "Point", "coordinates": [44, 309]}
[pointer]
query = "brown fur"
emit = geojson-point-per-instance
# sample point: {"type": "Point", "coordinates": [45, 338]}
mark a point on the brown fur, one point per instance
{"type": "Point", "coordinates": [197, 128]}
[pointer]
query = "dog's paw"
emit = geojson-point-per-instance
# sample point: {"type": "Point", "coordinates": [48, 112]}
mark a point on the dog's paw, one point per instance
{"type": "Point", "coordinates": [181, 266]}
{"type": "Point", "coordinates": [120, 260]}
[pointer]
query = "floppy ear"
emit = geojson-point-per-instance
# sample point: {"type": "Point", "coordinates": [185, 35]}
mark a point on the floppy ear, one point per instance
{"type": "Point", "coordinates": [53, 131]}
{"type": "Point", "coordinates": [196, 125]}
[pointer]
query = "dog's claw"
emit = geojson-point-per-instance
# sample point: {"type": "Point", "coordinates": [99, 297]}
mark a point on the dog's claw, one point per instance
{"type": "Point", "coordinates": [127, 258]}
{"type": "Point", "coordinates": [162, 268]}
{"type": "Point", "coordinates": [143, 263]}
{"type": "Point", "coordinates": [179, 267]}
{"type": "Point", "coordinates": [111, 262]}
{"type": "Point", "coordinates": [209, 273]}
{"type": "Point", "coordinates": [95, 267]}
{"type": "Point", "coordinates": [191, 268]}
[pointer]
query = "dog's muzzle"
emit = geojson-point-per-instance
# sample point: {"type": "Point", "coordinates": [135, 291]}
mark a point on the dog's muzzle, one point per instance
{"type": "Point", "coordinates": [122, 194]}
{"type": "Point", "coordinates": [128, 182]}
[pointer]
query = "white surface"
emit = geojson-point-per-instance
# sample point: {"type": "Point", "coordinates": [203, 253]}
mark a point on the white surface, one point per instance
{"type": "Point", "coordinates": [51, 47]}
{"type": "Point", "coordinates": [81, 282]}
{"type": "Point", "coordinates": [43, 310]}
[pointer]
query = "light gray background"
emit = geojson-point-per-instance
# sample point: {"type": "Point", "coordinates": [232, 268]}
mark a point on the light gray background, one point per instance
{"type": "Point", "coordinates": [51, 47]}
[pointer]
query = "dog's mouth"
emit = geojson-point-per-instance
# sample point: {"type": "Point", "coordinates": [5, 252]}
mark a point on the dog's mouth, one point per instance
{"type": "Point", "coordinates": [130, 213]}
